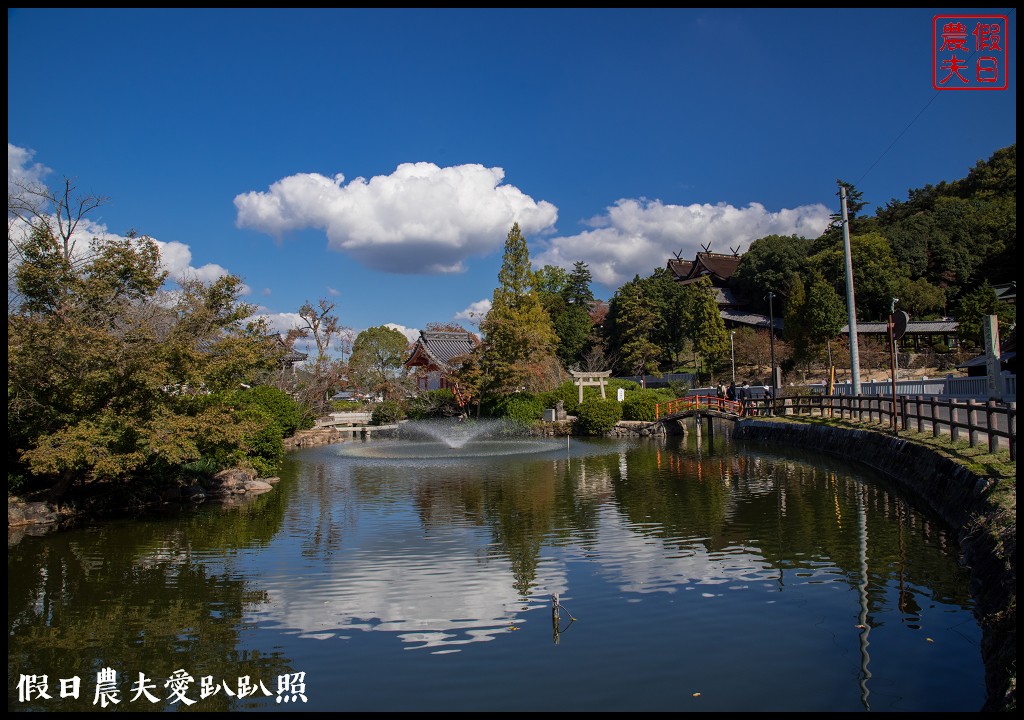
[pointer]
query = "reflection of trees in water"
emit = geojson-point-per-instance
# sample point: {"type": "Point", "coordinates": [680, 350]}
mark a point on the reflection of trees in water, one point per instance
{"type": "Point", "coordinates": [798, 514]}
{"type": "Point", "coordinates": [524, 503]}
{"type": "Point", "coordinates": [136, 598]}
{"type": "Point", "coordinates": [795, 511]}
{"type": "Point", "coordinates": [333, 512]}
{"type": "Point", "coordinates": [541, 503]}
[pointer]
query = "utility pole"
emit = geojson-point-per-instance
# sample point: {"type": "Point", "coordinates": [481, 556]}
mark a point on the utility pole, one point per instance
{"type": "Point", "coordinates": [771, 339]}
{"type": "Point", "coordinates": [732, 349]}
{"type": "Point", "coordinates": [892, 359]}
{"type": "Point", "coordinates": [851, 310]}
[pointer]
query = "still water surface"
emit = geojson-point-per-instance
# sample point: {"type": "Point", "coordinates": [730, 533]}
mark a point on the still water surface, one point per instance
{"type": "Point", "coordinates": [380, 576]}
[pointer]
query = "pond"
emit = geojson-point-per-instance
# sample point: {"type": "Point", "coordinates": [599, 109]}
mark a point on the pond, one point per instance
{"type": "Point", "coordinates": [688, 574]}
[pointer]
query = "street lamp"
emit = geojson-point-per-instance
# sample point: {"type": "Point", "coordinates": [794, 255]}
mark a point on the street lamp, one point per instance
{"type": "Point", "coordinates": [732, 350]}
{"type": "Point", "coordinates": [771, 338]}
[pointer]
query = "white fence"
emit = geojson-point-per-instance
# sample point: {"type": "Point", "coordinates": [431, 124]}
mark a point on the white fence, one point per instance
{"type": "Point", "coordinates": [956, 388]}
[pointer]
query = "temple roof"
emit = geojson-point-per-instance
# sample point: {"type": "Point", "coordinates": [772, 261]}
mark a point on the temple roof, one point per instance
{"type": "Point", "coordinates": [435, 347]}
{"type": "Point", "coordinates": [718, 265]}
{"type": "Point", "coordinates": [681, 268]}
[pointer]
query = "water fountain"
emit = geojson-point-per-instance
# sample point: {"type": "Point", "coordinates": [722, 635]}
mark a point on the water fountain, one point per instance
{"type": "Point", "coordinates": [453, 438]}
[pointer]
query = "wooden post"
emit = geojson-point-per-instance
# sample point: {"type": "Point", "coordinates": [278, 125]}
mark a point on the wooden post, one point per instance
{"type": "Point", "coordinates": [892, 362]}
{"type": "Point", "coordinates": [972, 422]}
{"type": "Point", "coordinates": [954, 419]}
{"type": "Point", "coordinates": [920, 413]}
{"type": "Point", "coordinates": [990, 421]}
{"type": "Point", "coordinates": [555, 619]}
{"type": "Point", "coordinates": [1011, 429]}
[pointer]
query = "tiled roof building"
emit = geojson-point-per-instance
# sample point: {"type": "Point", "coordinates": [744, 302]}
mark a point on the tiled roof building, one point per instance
{"type": "Point", "coordinates": [437, 354]}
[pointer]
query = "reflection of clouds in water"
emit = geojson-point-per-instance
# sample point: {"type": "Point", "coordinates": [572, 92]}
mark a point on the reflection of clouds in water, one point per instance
{"type": "Point", "coordinates": [447, 590]}
{"type": "Point", "coordinates": [429, 593]}
{"type": "Point", "coordinates": [643, 563]}
{"type": "Point", "coordinates": [445, 584]}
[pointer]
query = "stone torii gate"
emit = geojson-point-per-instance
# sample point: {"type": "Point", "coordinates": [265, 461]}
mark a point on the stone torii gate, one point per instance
{"type": "Point", "coordinates": [593, 379]}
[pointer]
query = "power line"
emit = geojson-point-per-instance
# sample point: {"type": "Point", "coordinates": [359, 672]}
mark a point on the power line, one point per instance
{"type": "Point", "coordinates": [903, 132]}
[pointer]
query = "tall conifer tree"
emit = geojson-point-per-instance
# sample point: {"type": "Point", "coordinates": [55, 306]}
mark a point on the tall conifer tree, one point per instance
{"type": "Point", "coordinates": [518, 338]}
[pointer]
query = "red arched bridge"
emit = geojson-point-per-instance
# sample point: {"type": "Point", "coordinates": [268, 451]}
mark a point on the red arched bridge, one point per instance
{"type": "Point", "coordinates": [702, 405]}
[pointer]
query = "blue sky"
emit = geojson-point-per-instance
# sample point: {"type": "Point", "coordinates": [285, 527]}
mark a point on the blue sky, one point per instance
{"type": "Point", "coordinates": [378, 158]}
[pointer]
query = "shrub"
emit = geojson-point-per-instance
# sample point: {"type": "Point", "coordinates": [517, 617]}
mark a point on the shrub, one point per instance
{"type": "Point", "coordinates": [640, 405]}
{"type": "Point", "coordinates": [386, 413]}
{"type": "Point", "coordinates": [524, 408]}
{"type": "Point", "coordinates": [280, 405]}
{"type": "Point", "coordinates": [262, 445]}
{"type": "Point", "coordinates": [567, 392]}
{"type": "Point", "coordinates": [614, 384]}
{"type": "Point", "coordinates": [433, 404]}
{"type": "Point", "coordinates": [597, 416]}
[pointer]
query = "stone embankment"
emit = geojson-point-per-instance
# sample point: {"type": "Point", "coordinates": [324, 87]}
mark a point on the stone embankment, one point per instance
{"type": "Point", "coordinates": [314, 438]}
{"type": "Point", "coordinates": [987, 533]}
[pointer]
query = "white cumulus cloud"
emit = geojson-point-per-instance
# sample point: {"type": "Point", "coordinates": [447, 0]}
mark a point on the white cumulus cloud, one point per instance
{"type": "Point", "coordinates": [411, 334]}
{"type": "Point", "coordinates": [635, 236]}
{"type": "Point", "coordinates": [20, 167]}
{"type": "Point", "coordinates": [421, 218]}
{"type": "Point", "coordinates": [475, 312]}
{"type": "Point", "coordinates": [175, 257]}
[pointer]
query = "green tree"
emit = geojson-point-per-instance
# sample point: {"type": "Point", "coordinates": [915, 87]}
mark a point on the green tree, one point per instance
{"type": "Point", "coordinates": [825, 313]}
{"type": "Point", "coordinates": [518, 338]}
{"type": "Point", "coordinates": [577, 286]}
{"type": "Point", "coordinates": [858, 224]}
{"type": "Point", "coordinates": [378, 354]}
{"type": "Point", "coordinates": [709, 336]}
{"type": "Point", "coordinates": [955, 234]}
{"type": "Point", "coordinates": [110, 381]}
{"type": "Point", "coordinates": [572, 325]}
{"type": "Point", "coordinates": [33, 207]}
{"type": "Point", "coordinates": [768, 265]}
{"type": "Point", "coordinates": [921, 299]}
{"type": "Point", "coordinates": [672, 304]}
{"type": "Point", "coordinates": [876, 275]}
{"type": "Point", "coordinates": [854, 202]}
{"type": "Point", "coordinates": [569, 319]}
{"type": "Point", "coordinates": [796, 330]}
{"type": "Point", "coordinates": [551, 280]}
{"type": "Point", "coordinates": [637, 321]}
{"type": "Point", "coordinates": [971, 312]}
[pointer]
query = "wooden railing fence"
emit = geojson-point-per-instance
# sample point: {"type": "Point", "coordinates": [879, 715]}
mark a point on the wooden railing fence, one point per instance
{"type": "Point", "coordinates": [955, 418]}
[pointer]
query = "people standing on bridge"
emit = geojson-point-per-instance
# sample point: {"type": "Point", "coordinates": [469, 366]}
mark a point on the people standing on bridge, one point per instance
{"type": "Point", "coordinates": [730, 392]}
{"type": "Point", "coordinates": [745, 394]}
